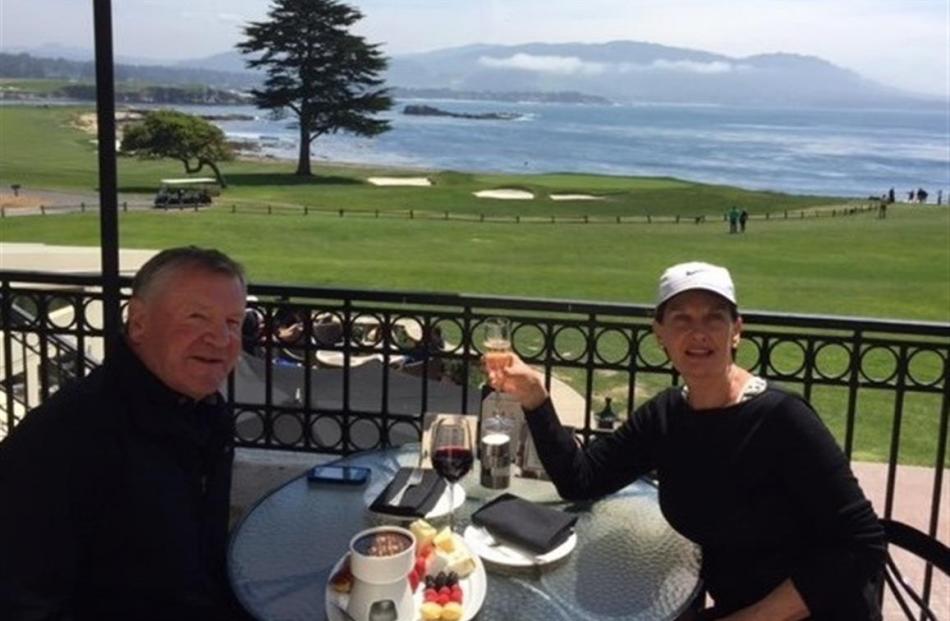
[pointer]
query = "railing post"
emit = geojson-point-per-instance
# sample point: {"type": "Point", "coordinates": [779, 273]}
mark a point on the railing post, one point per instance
{"type": "Point", "coordinates": [7, 380]}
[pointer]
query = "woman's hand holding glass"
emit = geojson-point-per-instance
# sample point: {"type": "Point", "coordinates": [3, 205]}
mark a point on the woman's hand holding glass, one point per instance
{"type": "Point", "coordinates": [517, 379]}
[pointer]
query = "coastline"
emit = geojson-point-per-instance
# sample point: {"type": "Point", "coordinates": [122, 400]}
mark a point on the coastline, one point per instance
{"type": "Point", "coordinates": [809, 154]}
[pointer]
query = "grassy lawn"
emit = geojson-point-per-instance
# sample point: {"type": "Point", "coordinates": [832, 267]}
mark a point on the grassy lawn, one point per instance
{"type": "Point", "coordinates": [899, 267]}
{"type": "Point", "coordinates": [855, 265]}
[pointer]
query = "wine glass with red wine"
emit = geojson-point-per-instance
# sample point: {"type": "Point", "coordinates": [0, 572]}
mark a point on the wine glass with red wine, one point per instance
{"type": "Point", "coordinates": [452, 451]}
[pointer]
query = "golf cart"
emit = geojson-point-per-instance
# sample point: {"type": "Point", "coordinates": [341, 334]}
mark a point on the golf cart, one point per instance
{"type": "Point", "coordinates": [187, 191]}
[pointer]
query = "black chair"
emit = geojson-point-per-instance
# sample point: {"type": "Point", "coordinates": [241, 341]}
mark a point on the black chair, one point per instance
{"type": "Point", "coordinates": [924, 547]}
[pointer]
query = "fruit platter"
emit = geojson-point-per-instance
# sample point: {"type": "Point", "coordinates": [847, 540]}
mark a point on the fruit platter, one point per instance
{"type": "Point", "coordinates": [447, 580]}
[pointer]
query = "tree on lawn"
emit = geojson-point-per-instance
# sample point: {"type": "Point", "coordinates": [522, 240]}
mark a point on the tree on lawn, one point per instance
{"type": "Point", "coordinates": [326, 76]}
{"type": "Point", "coordinates": [168, 133]}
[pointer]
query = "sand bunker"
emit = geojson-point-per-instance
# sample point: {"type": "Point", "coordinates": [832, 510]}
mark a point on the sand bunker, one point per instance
{"type": "Point", "coordinates": [576, 197]}
{"type": "Point", "coordinates": [512, 195]}
{"type": "Point", "coordinates": [89, 122]}
{"type": "Point", "coordinates": [416, 181]}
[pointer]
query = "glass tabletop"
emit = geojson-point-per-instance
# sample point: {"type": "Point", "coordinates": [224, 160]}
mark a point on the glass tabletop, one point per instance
{"type": "Point", "coordinates": [628, 563]}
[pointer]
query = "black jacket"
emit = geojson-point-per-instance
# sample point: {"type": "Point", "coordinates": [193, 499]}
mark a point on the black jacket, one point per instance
{"type": "Point", "coordinates": [114, 498]}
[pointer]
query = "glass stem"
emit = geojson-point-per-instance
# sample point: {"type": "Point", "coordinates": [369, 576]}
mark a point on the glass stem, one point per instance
{"type": "Point", "coordinates": [451, 507]}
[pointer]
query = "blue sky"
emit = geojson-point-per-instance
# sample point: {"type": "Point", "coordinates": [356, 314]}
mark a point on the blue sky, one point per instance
{"type": "Point", "coordinates": [902, 43]}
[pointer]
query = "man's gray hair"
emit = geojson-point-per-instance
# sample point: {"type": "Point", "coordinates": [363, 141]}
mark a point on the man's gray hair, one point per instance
{"type": "Point", "coordinates": [172, 259]}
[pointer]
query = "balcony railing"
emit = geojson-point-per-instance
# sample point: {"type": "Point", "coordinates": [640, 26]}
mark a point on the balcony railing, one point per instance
{"type": "Point", "coordinates": [337, 371]}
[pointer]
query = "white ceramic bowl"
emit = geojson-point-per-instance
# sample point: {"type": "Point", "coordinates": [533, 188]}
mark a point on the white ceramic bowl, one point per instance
{"type": "Point", "coordinates": [382, 555]}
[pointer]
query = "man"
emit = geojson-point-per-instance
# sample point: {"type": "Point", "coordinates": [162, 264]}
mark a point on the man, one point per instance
{"type": "Point", "coordinates": [114, 493]}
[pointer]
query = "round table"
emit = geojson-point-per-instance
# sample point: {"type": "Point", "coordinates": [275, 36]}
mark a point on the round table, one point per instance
{"type": "Point", "coordinates": [628, 564]}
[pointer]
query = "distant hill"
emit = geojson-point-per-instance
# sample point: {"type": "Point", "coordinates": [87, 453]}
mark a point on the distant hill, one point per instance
{"type": "Point", "coordinates": [619, 71]}
{"type": "Point", "coordinates": [630, 71]}
{"type": "Point", "coordinates": [24, 65]}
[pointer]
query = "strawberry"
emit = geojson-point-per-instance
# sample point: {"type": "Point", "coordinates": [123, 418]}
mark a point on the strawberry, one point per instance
{"type": "Point", "coordinates": [413, 580]}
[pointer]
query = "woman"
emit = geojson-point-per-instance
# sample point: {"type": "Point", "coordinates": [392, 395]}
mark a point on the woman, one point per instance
{"type": "Point", "coordinates": [746, 470]}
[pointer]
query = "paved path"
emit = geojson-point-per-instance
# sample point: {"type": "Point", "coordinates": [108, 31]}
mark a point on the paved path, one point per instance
{"type": "Point", "coordinates": [55, 201]}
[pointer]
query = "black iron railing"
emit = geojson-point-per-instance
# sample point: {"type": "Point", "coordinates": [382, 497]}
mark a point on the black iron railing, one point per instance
{"type": "Point", "coordinates": [337, 371]}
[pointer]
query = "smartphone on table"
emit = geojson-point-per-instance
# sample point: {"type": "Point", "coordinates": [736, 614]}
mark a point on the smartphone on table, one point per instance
{"type": "Point", "coordinates": [341, 475]}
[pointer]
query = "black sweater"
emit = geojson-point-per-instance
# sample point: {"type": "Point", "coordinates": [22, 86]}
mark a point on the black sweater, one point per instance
{"type": "Point", "coordinates": [114, 498]}
{"type": "Point", "coordinates": [761, 486]}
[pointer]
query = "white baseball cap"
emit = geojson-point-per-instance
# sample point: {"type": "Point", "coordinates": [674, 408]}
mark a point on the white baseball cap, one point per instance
{"type": "Point", "coordinates": [695, 275]}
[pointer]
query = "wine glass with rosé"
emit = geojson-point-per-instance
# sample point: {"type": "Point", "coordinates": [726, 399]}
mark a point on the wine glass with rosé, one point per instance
{"type": "Point", "coordinates": [496, 345]}
{"type": "Point", "coordinates": [496, 341]}
{"type": "Point", "coordinates": [452, 451]}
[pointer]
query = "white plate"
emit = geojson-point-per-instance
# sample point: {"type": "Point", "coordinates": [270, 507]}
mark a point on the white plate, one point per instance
{"type": "Point", "coordinates": [474, 587]}
{"type": "Point", "coordinates": [483, 544]}
{"type": "Point", "coordinates": [441, 508]}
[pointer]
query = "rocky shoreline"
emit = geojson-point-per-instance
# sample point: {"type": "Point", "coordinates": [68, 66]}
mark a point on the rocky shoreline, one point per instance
{"type": "Point", "coordinates": [422, 110]}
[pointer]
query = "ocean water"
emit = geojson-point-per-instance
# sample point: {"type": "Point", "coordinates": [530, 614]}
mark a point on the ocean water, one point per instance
{"type": "Point", "coordinates": [834, 152]}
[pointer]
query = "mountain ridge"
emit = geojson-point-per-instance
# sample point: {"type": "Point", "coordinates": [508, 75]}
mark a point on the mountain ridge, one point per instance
{"type": "Point", "coordinates": [622, 71]}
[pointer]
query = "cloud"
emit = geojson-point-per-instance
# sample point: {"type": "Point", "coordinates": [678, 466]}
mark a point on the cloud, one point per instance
{"type": "Point", "coordinates": [566, 65]}
{"type": "Point", "coordinates": [572, 65]}
{"type": "Point", "coordinates": [691, 66]}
